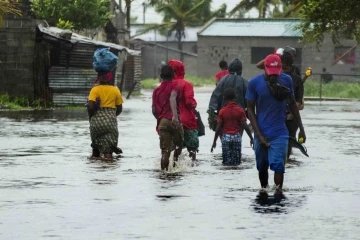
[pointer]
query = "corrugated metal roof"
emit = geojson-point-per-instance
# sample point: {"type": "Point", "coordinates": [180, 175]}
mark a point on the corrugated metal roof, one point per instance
{"type": "Point", "coordinates": [190, 34]}
{"type": "Point", "coordinates": [252, 28]}
{"type": "Point", "coordinates": [76, 38]}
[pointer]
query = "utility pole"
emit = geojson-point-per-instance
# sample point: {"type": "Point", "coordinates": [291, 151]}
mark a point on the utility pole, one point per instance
{"type": "Point", "coordinates": [144, 10]}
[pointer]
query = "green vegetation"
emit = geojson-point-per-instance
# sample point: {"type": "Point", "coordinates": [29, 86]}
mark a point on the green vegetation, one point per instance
{"type": "Point", "coordinates": [77, 15]}
{"type": "Point", "coordinates": [332, 89]}
{"type": "Point", "coordinates": [8, 7]}
{"type": "Point", "coordinates": [19, 103]}
{"type": "Point", "coordinates": [151, 83]}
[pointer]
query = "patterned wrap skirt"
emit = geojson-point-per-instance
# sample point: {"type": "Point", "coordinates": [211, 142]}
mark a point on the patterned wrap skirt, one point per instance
{"type": "Point", "coordinates": [191, 140]}
{"type": "Point", "coordinates": [104, 130]}
{"type": "Point", "coordinates": [231, 149]}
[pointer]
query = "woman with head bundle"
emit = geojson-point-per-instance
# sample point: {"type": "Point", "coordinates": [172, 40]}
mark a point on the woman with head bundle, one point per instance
{"type": "Point", "coordinates": [104, 105]}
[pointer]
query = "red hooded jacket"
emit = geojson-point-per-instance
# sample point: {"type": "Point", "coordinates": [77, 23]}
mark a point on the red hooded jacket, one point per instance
{"type": "Point", "coordinates": [187, 102]}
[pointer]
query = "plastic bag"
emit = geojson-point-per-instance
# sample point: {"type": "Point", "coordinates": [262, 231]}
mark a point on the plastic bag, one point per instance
{"type": "Point", "coordinates": [201, 126]}
{"type": "Point", "coordinates": [104, 60]}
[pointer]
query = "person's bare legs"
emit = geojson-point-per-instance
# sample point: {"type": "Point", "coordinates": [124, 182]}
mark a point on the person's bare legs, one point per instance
{"type": "Point", "coordinates": [264, 179]}
{"type": "Point", "coordinates": [165, 160]}
{"type": "Point", "coordinates": [279, 180]}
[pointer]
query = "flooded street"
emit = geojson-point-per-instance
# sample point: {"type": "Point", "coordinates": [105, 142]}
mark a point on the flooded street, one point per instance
{"type": "Point", "coordinates": [51, 190]}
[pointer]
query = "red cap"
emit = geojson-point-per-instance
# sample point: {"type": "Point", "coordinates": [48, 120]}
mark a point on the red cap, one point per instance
{"type": "Point", "coordinates": [273, 65]}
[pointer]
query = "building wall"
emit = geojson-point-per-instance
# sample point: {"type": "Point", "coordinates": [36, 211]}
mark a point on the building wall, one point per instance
{"type": "Point", "coordinates": [151, 58]}
{"type": "Point", "coordinates": [17, 37]}
{"type": "Point", "coordinates": [213, 49]}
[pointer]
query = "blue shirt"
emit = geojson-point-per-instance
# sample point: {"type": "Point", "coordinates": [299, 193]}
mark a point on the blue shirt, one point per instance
{"type": "Point", "coordinates": [270, 112]}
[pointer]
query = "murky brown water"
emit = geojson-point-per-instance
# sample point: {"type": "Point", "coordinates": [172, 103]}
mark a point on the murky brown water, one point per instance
{"type": "Point", "coordinates": [50, 190]}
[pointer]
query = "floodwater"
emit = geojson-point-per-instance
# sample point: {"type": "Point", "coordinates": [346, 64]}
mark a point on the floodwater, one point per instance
{"type": "Point", "coordinates": [49, 189]}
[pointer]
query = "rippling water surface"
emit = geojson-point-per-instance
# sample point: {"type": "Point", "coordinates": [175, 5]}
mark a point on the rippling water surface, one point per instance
{"type": "Point", "coordinates": [49, 189]}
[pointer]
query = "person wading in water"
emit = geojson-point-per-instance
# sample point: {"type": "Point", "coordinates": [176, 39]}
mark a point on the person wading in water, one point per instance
{"type": "Point", "coordinates": [268, 94]}
{"type": "Point", "coordinates": [231, 121]}
{"type": "Point", "coordinates": [223, 72]}
{"type": "Point", "coordinates": [291, 124]}
{"type": "Point", "coordinates": [165, 110]}
{"type": "Point", "coordinates": [233, 80]}
{"type": "Point", "coordinates": [104, 105]}
{"type": "Point", "coordinates": [187, 105]}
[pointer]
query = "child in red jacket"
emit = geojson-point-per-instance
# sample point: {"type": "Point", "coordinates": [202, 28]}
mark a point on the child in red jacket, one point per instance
{"type": "Point", "coordinates": [231, 122]}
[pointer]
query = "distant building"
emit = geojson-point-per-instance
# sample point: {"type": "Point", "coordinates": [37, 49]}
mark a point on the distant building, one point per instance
{"type": "Point", "coordinates": [166, 49]}
{"type": "Point", "coordinates": [251, 40]}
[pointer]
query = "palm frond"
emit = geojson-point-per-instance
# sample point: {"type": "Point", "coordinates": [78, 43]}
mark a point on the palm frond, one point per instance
{"type": "Point", "coordinates": [244, 4]}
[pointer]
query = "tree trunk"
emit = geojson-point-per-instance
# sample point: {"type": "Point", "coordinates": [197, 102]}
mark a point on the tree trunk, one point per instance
{"type": "Point", "coordinates": [264, 11]}
{"type": "Point", "coordinates": [180, 45]}
{"type": "Point", "coordinates": [128, 17]}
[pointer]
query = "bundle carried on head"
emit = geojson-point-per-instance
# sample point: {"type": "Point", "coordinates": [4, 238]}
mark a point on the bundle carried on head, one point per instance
{"type": "Point", "coordinates": [104, 63]}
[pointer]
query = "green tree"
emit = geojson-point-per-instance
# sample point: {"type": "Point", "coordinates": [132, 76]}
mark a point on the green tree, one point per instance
{"type": "Point", "coordinates": [79, 14]}
{"type": "Point", "coordinates": [262, 6]}
{"type": "Point", "coordinates": [8, 7]}
{"type": "Point", "coordinates": [340, 19]}
{"type": "Point", "coordinates": [179, 14]}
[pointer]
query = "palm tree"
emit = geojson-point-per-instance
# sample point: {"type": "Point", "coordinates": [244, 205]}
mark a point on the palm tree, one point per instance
{"type": "Point", "coordinates": [8, 7]}
{"type": "Point", "coordinates": [261, 5]}
{"type": "Point", "coordinates": [293, 7]}
{"type": "Point", "coordinates": [179, 14]}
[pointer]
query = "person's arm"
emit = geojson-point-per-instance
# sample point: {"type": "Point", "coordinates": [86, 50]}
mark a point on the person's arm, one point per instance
{"type": "Point", "coordinates": [260, 64]}
{"type": "Point", "coordinates": [218, 130]}
{"type": "Point", "coordinates": [153, 108]}
{"type": "Point", "coordinates": [248, 131]}
{"type": "Point", "coordinates": [91, 108]}
{"type": "Point", "coordinates": [216, 96]}
{"type": "Point", "coordinates": [308, 74]}
{"type": "Point", "coordinates": [119, 109]}
{"type": "Point", "coordinates": [173, 105]}
{"type": "Point", "coordinates": [118, 102]}
{"type": "Point", "coordinates": [189, 96]}
{"type": "Point", "coordinates": [254, 123]}
{"type": "Point", "coordinates": [154, 112]}
{"type": "Point", "coordinates": [295, 111]}
{"type": "Point", "coordinates": [300, 94]}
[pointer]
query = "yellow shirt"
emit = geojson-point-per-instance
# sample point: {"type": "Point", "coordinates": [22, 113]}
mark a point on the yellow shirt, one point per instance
{"type": "Point", "coordinates": [110, 96]}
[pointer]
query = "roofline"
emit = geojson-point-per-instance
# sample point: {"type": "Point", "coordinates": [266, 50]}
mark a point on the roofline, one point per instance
{"type": "Point", "coordinates": [243, 20]}
{"type": "Point", "coordinates": [206, 25]}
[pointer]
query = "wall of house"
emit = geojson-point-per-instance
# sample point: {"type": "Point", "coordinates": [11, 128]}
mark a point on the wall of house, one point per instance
{"type": "Point", "coordinates": [17, 38]}
{"type": "Point", "coordinates": [151, 58]}
{"type": "Point", "coordinates": [213, 49]}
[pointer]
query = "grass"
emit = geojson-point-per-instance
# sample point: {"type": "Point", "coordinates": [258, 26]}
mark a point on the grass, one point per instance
{"type": "Point", "coordinates": [18, 103]}
{"type": "Point", "coordinates": [332, 89]}
{"type": "Point", "coordinates": [151, 83]}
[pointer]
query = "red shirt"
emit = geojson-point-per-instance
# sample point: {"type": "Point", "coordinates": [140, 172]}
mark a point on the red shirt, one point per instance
{"type": "Point", "coordinates": [231, 116]}
{"type": "Point", "coordinates": [221, 74]}
{"type": "Point", "coordinates": [187, 103]}
{"type": "Point", "coordinates": [161, 100]}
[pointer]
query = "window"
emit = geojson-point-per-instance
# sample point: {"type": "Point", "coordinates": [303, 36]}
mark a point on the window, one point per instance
{"type": "Point", "coordinates": [260, 53]}
{"type": "Point", "coordinates": [344, 55]}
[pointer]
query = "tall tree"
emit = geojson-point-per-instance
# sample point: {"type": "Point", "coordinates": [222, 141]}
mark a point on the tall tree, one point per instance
{"type": "Point", "coordinates": [179, 14]}
{"type": "Point", "coordinates": [128, 13]}
{"type": "Point", "coordinates": [79, 14]}
{"type": "Point", "coordinates": [262, 6]}
{"type": "Point", "coordinates": [340, 19]}
{"type": "Point", "coordinates": [8, 7]}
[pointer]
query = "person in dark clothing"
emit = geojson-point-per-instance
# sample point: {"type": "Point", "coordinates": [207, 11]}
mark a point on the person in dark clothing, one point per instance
{"type": "Point", "coordinates": [232, 80]}
{"type": "Point", "coordinates": [325, 76]}
{"type": "Point", "coordinates": [291, 124]}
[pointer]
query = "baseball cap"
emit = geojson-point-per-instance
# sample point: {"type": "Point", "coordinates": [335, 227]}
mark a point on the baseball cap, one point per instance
{"type": "Point", "coordinates": [279, 51]}
{"type": "Point", "coordinates": [273, 65]}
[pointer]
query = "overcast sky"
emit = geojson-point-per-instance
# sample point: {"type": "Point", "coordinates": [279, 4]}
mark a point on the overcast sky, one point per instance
{"type": "Point", "coordinates": [152, 17]}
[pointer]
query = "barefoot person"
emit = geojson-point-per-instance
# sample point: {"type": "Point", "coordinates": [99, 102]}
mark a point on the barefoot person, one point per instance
{"type": "Point", "coordinates": [104, 105]}
{"type": "Point", "coordinates": [187, 105]}
{"type": "Point", "coordinates": [165, 110]}
{"type": "Point", "coordinates": [268, 93]}
{"type": "Point", "coordinates": [231, 121]}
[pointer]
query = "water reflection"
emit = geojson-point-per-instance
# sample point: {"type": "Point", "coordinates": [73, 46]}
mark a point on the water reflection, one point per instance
{"type": "Point", "coordinates": [277, 203]}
